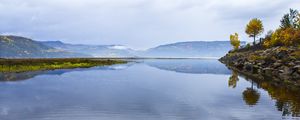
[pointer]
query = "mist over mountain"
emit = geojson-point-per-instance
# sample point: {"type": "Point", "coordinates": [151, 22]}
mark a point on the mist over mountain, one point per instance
{"type": "Point", "coordinates": [180, 49]}
{"type": "Point", "coordinates": [21, 47]}
{"type": "Point", "coordinates": [93, 50]}
{"type": "Point", "coordinates": [190, 49]}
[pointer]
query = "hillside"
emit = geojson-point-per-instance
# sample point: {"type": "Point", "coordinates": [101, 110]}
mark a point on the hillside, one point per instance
{"type": "Point", "coordinates": [21, 47]}
{"type": "Point", "coordinates": [190, 49]}
{"type": "Point", "coordinates": [181, 49]}
{"type": "Point", "coordinates": [93, 50]}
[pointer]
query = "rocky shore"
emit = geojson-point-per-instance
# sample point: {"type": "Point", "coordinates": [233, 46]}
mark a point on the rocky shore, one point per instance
{"type": "Point", "coordinates": [280, 64]}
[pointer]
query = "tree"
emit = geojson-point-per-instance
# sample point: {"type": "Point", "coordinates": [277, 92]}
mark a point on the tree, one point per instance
{"type": "Point", "coordinates": [290, 20]}
{"type": "Point", "coordinates": [234, 40]}
{"type": "Point", "coordinates": [251, 96]}
{"type": "Point", "coordinates": [233, 79]}
{"type": "Point", "coordinates": [254, 28]}
{"type": "Point", "coordinates": [298, 21]}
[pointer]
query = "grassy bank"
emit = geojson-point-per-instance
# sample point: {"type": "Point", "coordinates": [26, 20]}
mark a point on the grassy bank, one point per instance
{"type": "Point", "coordinates": [23, 65]}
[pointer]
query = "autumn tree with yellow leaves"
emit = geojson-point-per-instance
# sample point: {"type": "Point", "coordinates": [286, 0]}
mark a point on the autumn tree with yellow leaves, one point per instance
{"type": "Point", "coordinates": [254, 28]}
{"type": "Point", "coordinates": [234, 40]}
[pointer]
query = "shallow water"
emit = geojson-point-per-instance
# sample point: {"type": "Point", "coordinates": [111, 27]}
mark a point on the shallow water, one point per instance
{"type": "Point", "coordinates": [150, 89]}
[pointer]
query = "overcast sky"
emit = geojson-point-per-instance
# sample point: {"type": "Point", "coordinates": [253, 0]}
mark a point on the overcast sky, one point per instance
{"type": "Point", "coordinates": [139, 24]}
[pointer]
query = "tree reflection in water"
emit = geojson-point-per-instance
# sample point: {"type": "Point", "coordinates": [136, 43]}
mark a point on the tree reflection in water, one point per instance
{"type": "Point", "coordinates": [251, 96]}
{"type": "Point", "coordinates": [233, 79]}
{"type": "Point", "coordinates": [287, 98]}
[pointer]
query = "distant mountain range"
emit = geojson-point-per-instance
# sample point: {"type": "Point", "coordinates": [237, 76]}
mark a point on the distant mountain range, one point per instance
{"type": "Point", "coordinates": [93, 50]}
{"type": "Point", "coordinates": [191, 49]}
{"type": "Point", "coordinates": [21, 47]}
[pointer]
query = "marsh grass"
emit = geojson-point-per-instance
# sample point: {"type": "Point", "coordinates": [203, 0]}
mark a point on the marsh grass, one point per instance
{"type": "Point", "coordinates": [23, 65]}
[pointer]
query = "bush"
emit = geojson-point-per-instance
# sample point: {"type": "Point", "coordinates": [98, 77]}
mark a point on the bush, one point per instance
{"type": "Point", "coordinates": [234, 41]}
{"type": "Point", "coordinates": [283, 37]}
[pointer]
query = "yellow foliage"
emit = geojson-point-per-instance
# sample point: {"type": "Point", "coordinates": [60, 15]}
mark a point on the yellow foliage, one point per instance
{"type": "Point", "coordinates": [234, 40]}
{"type": "Point", "coordinates": [286, 37]}
{"type": "Point", "coordinates": [254, 28]}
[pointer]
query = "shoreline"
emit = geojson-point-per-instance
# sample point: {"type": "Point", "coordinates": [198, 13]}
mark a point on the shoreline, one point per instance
{"type": "Point", "coordinates": [277, 63]}
{"type": "Point", "coordinates": [38, 64]}
{"type": "Point", "coordinates": [17, 65]}
{"type": "Point", "coordinates": [122, 58]}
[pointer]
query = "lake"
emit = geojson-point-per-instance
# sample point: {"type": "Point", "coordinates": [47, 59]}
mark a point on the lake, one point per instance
{"type": "Point", "coordinates": [181, 89]}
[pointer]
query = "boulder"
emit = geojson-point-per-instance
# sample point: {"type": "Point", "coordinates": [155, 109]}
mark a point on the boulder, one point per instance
{"type": "Point", "coordinates": [277, 64]}
{"type": "Point", "coordinates": [296, 75]}
{"type": "Point", "coordinates": [297, 67]}
{"type": "Point", "coordinates": [268, 71]}
{"type": "Point", "coordinates": [291, 64]}
{"type": "Point", "coordinates": [248, 66]}
{"type": "Point", "coordinates": [282, 54]}
{"type": "Point", "coordinates": [287, 70]}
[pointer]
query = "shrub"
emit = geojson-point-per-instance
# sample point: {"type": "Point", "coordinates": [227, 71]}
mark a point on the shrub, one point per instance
{"type": "Point", "coordinates": [283, 37]}
{"type": "Point", "coordinates": [234, 40]}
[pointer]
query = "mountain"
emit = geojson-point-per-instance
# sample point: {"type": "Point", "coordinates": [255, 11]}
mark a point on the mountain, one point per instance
{"type": "Point", "coordinates": [21, 47]}
{"type": "Point", "coordinates": [191, 49]}
{"type": "Point", "coordinates": [180, 49]}
{"type": "Point", "coordinates": [93, 50]}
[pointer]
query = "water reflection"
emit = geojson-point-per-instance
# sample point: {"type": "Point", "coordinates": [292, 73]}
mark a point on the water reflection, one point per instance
{"type": "Point", "coordinates": [162, 89]}
{"type": "Point", "coordinates": [233, 79]}
{"type": "Point", "coordinates": [5, 77]}
{"type": "Point", "coordinates": [195, 66]}
{"type": "Point", "coordinates": [251, 96]}
{"type": "Point", "coordinates": [287, 98]}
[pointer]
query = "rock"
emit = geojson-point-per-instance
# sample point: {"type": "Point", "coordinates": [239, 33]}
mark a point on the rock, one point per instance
{"type": "Point", "coordinates": [256, 67]}
{"type": "Point", "coordinates": [281, 71]}
{"type": "Point", "coordinates": [259, 64]}
{"type": "Point", "coordinates": [239, 65]}
{"type": "Point", "coordinates": [277, 64]}
{"type": "Point", "coordinates": [248, 66]}
{"type": "Point", "coordinates": [268, 71]}
{"type": "Point", "coordinates": [282, 54]}
{"type": "Point", "coordinates": [297, 62]}
{"type": "Point", "coordinates": [296, 75]}
{"type": "Point", "coordinates": [287, 70]}
{"type": "Point", "coordinates": [291, 64]}
{"type": "Point", "coordinates": [297, 67]}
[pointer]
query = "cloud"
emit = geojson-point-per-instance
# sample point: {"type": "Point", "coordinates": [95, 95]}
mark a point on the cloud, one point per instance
{"type": "Point", "coordinates": [136, 23]}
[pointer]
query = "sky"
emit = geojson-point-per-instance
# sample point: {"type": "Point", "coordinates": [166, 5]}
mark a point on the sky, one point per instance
{"type": "Point", "coordinates": [139, 24]}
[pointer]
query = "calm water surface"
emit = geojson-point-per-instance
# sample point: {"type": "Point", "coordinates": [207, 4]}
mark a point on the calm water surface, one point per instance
{"type": "Point", "coordinates": [149, 89]}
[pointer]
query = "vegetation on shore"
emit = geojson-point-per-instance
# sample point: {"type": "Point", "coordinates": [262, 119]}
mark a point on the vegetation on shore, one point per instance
{"type": "Point", "coordinates": [23, 65]}
{"type": "Point", "coordinates": [287, 36]}
{"type": "Point", "coordinates": [275, 56]}
{"type": "Point", "coordinates": [288, 33]}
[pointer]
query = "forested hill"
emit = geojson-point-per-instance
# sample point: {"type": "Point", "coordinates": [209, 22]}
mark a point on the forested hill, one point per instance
{"type": "Point", "coordinates": [21, 47]}
{"type": "Point", "coordinates": [191, 49]}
